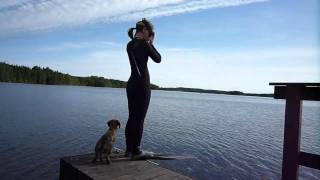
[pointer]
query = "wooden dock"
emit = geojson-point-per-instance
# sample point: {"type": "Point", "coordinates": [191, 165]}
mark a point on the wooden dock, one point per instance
{"type": "Point", "coordinates": [80, 167]}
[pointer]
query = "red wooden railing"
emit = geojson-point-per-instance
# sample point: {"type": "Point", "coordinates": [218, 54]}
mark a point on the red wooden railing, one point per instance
{"type": "Point", "coordinates": [294, 94]}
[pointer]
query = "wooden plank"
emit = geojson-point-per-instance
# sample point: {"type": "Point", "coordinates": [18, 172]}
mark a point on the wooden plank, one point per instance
{"type": "Point", "coordinates": [294, 83]}
{"type": "Point", "coordinates": [166, 176]}
{"type": "Point", "coordinates": [291, 140]}
{"type": "Point", "coordinates": [69, 172]}
{"type": "Point", "coordinates": [124, 177]}
{"type": "Point", "coordinates": [180, 177]}
{"type": "Point", "coordinates": [309, 160]}
{"type": "Point", "coordinates": [151, 173]}
{"type": "Point", "coordinates": [307, 93]}
{"type": "Point", "coordinates": [294, 93]}
{"type": "Point", "coordinates": [81, 167]}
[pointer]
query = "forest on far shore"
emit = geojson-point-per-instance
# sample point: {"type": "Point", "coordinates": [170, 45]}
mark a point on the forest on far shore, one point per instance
{"type": "Point", "coordinates": [38, 75]}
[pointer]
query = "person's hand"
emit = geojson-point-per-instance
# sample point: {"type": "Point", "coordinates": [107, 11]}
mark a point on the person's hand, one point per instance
{"type": "Point", "coordinates": [139, 35]}
{"type": "Point", "coordinates": [151, 38]}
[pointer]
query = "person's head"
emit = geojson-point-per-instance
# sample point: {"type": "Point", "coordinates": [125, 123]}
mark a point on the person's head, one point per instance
{"type": "Point", "coordinates": [144, 27]}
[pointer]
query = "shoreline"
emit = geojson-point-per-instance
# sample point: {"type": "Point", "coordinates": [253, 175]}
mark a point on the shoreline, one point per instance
{"type": "Point", "coordinates": [180, 89]}
{"type": "Point", "coordinates": [39, 75]}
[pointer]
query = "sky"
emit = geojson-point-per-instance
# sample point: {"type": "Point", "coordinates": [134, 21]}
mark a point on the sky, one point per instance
{"type": "Point", "coordinates": [228, 45]}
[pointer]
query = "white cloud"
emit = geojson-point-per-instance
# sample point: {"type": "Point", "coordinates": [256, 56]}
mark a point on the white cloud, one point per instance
{"type": "Point", "coordinates": [10, 3]}
{"type": "Point", "coordinates": [26, 15]}
{"type": "Point", "coordinates": [66, 46]}
{"type": "Point", "coordinates": [173, 49]}
{"type": "Point", "coordinates": [245, 70]}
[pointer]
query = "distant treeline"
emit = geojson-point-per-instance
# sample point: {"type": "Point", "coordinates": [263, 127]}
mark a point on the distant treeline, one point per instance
{"type": "Point", "coordinates": [38, 75]}
{"type": "Point", "coordinates": [215, 91]}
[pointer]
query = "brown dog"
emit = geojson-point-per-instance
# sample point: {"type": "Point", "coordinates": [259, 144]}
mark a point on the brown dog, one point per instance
{"type": "Point", "coordinates": [106, 141]}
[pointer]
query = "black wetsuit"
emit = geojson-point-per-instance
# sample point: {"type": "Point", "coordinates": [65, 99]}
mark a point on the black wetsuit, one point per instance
{"type": "Point", "coordinates": [138, 90]}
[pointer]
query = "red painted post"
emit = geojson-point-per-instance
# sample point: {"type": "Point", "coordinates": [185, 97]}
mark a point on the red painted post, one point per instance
{"type": "Point", "coordinates": [291, 141]}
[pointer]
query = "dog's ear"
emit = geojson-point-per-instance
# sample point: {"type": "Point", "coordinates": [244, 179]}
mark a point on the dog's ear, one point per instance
{"type": "Point", "coordinates": [109, 123]}
{"type": "Point", "coordinates": [118, 123]}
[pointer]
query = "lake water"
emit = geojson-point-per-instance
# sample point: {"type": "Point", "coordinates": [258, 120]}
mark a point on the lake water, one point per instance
{"type": "Point", "coordinates": [231, 137]}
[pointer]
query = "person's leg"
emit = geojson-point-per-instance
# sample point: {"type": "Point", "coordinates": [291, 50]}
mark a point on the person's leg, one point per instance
{"type": "Point", "coordinates": [138, 103]}
{"type": "Point", "coordinates": [142, 115]}
{"type": "Point", "coordinates": [141, 109]}
{"type": "Point", "coordinates": [129, 130]}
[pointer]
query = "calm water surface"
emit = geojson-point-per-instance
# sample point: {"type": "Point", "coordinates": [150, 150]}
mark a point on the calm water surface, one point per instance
{"type": "Point", "coordinates": [231, 137]}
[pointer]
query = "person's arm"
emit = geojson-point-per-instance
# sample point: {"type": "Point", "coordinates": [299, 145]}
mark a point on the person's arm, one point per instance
{"type": "Point", "coordinates": [153, 53]}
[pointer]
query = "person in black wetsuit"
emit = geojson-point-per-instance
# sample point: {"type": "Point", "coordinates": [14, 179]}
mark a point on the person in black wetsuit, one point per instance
{"type": "Point", "coordinates": [138, 86]}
